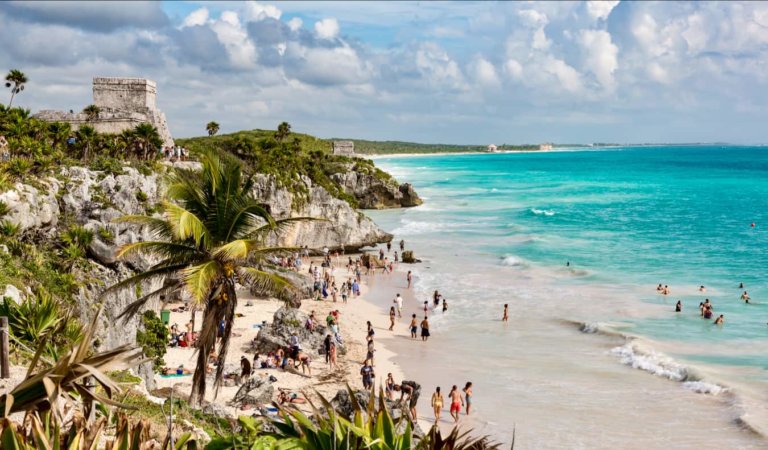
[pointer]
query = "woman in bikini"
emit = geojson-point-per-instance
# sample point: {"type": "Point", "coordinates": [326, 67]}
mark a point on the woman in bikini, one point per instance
{"type": "Point", "coordinates": [389, 387]}
{"type": "Point", "coordinates": [437, 403]}
{"type": "Point", "coordinates": [468, 395]}
{"type": "Point", "coordinates": [391, 318]}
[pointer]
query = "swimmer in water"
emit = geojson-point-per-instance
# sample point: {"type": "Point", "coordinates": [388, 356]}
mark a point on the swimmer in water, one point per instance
{"type": "Point", "coordinates": [679, 306]}
{"type": "Point", "coordinates": [505, 317]}
{"type": "Point", "coordinates": [702, 289]}
{"type": "Point", "coordinates": [719, 320]}
{"type": "Point", "coordinates": [741, 285]}
{"type": "Point", "coordinates": [745, 297]}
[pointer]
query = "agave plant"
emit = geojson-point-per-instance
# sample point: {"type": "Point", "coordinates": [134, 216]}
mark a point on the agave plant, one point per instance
{"type": "Point", "coordinates": [41, 319]}
{"type": "Point", "coordinates": [49, 389]}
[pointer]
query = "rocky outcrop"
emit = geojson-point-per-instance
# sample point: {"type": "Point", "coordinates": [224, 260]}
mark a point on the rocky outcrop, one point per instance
{"type": "Point", "coordinates": [288, 322]}
{"type": "Point", "coordinates": [342, 403]}
{"type": "Point", "coordinates": [339, 225]}
{"type": "Point", "coordinates": [374, 192]}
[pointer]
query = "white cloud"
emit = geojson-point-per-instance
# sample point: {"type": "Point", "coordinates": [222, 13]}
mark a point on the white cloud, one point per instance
{"type": "Point", "coordinates": [514, 69]}
{"type": "Point", "coordinates": [295, 24]}
{"type": "Point", "coordinates": [327, 28]}
{"type": "Point", "coordinates": [437, 67]}
{"type": "Point", "coordinates": [240, 49]}
{"type": "Point", "coordinates": [601, 9]}
{"type": "Point", "coordinates": [255, 12]}
{"type": "Point", "coordinates": [485, 73]}
{"type": "Point", "coordinates": [601, 56]}
{"type": "Point", "coordinates": [196, 18]}
{"type": "Point", "coordinates": [569, 78]}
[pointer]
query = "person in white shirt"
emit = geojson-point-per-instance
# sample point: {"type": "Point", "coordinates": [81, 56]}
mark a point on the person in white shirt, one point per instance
{"type": "Point", "coordinates": [399, 302]}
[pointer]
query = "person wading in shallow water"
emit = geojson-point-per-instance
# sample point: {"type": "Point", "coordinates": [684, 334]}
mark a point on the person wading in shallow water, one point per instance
{"type": "Point", "coordinates": [414, 326]}
{"type": "Point", "coordinates": [456, 402]}
{"type": "Point", "coordinates": [424, 329]}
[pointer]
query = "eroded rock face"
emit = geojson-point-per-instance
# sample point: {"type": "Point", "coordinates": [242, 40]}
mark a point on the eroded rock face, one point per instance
{"type": "Point", "coordinates": [30, 207]}
{"type": "Point", "coordinates": [372, 192]}
{"type": "Point", "coordinates": [339, 225]}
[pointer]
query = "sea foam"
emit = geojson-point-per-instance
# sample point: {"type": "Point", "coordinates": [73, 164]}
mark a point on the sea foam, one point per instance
{"type": "Point", "coordinates": [542, 212]}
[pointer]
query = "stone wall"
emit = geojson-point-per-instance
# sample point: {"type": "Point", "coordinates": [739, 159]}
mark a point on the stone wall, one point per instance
{"type": "Point", "coordinates": [124, 103]}
{"type": "Point", "coordinates": [124, 94]}
{"type": "Point", "coordinates": [346, 148]}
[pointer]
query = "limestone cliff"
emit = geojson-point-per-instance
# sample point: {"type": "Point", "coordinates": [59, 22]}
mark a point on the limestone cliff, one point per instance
{"type": "Point", "coordinates": [95, 199]}
{"type": "Point", "coordinates": [376, 192]}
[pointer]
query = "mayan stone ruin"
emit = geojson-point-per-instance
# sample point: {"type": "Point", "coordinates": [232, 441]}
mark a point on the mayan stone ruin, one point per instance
{"type": "Point", "coordinates": [123, 103]}
{"type": "Point", "coordinates": [345, 148]}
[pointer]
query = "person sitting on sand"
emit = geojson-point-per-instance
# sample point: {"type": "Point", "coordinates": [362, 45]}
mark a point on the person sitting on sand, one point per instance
{"type": "Point", "coordinates": [720, 320]}
{"type": "Point", "coordinates": [745, 297]}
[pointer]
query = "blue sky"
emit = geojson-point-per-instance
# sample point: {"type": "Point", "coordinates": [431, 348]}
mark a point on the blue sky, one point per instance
{"type": "Point", "coordinates": [450, 72]}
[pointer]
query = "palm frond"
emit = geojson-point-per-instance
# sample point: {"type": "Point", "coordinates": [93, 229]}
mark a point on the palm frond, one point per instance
{"type": "Point", "coordinates": [198, 279]}
{"type": "Point", "coordinates": [185, 224]}
{"type": "Point", "coordinates": [267, 282]}
{"type": "Point", "coordinates": [159, 228]}
{"type": "Point", "coordinates": [135, 307]}
{"type": "Point", "coordinates": [158, 248]}
{"type": "Point", "coordinates": [154, 272]}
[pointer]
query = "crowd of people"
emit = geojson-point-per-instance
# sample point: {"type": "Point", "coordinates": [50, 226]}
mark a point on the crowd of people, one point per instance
{"type": "Point", "coordinates": [706, 309]}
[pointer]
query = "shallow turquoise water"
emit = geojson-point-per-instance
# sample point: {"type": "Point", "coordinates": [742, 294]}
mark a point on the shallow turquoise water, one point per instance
{"type": "Point", "coordinates": [624, 218]}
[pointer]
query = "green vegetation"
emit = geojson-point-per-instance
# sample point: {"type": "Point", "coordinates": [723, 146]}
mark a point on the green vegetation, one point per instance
{"type": "Point", "coordinates": [153, 338]}
{"type": "Point", "coordinates": [288, 157]}
{"type": "Point", "coordinates": [40, 320]}
{"type": "Point", "coordinates": [212, 128]}
{"type": "Point", "coordinates": [208, 236]}
{"type": "Point", "coordinates": [15, 81]}
{"type": "Point", "coordinates": [365, 147]}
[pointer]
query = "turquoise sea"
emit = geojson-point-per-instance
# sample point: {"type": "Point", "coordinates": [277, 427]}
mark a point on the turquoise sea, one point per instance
{"type": "Point", "coordinates": [580, 239]}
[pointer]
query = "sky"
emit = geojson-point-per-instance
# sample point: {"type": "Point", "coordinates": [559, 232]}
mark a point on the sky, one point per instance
{"type": "Point", "coordinates": [434, 72]}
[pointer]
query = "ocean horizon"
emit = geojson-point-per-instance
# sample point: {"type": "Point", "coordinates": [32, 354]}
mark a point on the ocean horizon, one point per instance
{"type": "Point", "coordinates": [576, 243]}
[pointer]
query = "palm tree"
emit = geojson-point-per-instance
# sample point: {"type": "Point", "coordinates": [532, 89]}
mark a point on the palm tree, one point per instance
{"type": "Point", "coordinates": [212, 236]}
{"type": "Point", "coordinates": [86, 134]}
{"type": "Point", "coordinates": [212, 128]}
{"type": "Point", "coordinates": [58, 132]}
{"type": "Point", "coordinates": [145, 138]}
{"type": "Point", "coordinates": [283, 130]}
{"type": "Point", "coordinates": [15, 80]}
{"type": "Point", "coordinates": [92, 112]}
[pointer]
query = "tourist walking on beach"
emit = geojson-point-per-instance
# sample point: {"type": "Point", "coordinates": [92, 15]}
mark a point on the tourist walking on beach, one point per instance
{"type": "Point", "coordinates": [409, 277]}
{"type": "Point", "coordinates": [505, 316]}
{"type": "Point", "coordinates": [371, 350]}
{"type": "Point", "coordinates": [414, 327]}
{"type": "Point", "coordinates": [468, 396]}
{"type": "Point", "coordinates": [398, 301]}
{"type": "Point", "coordinates": [391, 318]}
{"type": "Point", "coordinates": [402, 245]}
{"type": "Point", "coordinates": [424, 329]}
{"type": "Point", "coordinates": [445, 305]}
{"type": "Point", "coordinates": [456, 402]}
{"type": "Point", "coordinates": [437, 403]}
{"type": "Point", "coordinates": [367, 372]}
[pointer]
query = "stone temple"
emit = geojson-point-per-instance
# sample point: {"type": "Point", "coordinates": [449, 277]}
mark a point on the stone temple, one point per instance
{"type": "Point", "coordinates": [123, 104]}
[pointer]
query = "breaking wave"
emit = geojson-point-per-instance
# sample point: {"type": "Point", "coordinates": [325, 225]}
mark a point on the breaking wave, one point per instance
{"type": "Point", "coordinates": [542, 212]}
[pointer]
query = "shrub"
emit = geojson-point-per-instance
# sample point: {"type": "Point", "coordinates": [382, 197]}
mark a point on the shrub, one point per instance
{"type": "Point", "coordinates": [8, 228]}
{"type": "Point", "coordinates": [141, 196]}
{"type": "Point", "coordinates": [153, 339]}
{"type": "Point", "coordinates": [106, 235]}
{"type": "Point", "coordinates": [77, 236]}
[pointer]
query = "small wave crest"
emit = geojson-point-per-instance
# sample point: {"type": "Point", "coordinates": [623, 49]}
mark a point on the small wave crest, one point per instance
{"type": "Point", "coordinates": [512, 261]}
{"type": "Point", "coordinates": [417, 227]}
{"type": "Point", "coordinates": [663, 366]}
{"type": "Point", "coordinates": [542, 212]}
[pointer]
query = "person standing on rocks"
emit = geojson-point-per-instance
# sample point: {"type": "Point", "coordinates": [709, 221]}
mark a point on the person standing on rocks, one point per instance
{"type": "Point", "coordinates": [327, 347]}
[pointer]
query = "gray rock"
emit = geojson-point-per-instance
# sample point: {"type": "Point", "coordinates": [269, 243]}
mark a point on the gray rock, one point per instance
{"type": "Point", "coordinates": [256, 391]}
{"type": "Point", "coordinates": [287, 322]}
{"type": "Point", "coordinates": [217, 411]}
{"type": "Point", "coordinates": [31, 208]}
{"type": "Point", "coordinates": [373, 192]}
{"type": "Point", "coordinates": [13, 293]}
{"type": "Point", "coordinates": [103, 253]}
